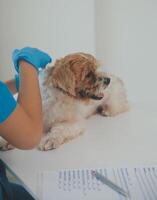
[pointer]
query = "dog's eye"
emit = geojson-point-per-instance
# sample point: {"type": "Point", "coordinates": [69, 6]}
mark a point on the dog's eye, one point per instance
{"type": "Point", "coordinates": [88, 75]}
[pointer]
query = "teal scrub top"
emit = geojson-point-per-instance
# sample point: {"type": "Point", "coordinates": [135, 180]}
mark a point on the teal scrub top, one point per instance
{"type": "Point", "coordinates": [7, 102]}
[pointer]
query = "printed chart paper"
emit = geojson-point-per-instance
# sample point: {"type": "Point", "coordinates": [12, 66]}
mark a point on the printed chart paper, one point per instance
{"type": "Point", "coordinates": [79, 184]}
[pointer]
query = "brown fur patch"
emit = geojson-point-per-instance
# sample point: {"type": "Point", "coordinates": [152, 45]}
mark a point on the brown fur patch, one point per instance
{"type": "Point", "coordinates": [69, 73]}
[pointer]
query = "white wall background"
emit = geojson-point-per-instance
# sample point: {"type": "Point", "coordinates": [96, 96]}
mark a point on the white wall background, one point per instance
{"type": "Point", "coordinates": [126, 35]}
{"type": "Point", "coordinates": [56, 26]}
{"type": "Point", "coordinates": [124, 31]}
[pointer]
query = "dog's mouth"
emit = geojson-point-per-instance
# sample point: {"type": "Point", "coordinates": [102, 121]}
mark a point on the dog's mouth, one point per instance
{"type": "Point", "coordinates": [97, 96]}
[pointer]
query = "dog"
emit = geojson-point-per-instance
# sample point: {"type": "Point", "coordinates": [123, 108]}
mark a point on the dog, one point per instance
{"type": "Point", "coordinates": [73, 90]}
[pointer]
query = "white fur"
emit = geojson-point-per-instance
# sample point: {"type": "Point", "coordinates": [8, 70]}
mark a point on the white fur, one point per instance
{"type": "Point", "coordinates": [63, 115]}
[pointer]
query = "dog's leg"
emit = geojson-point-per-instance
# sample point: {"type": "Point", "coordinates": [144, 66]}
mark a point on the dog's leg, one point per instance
{"type": "Point", "coordinates": [112, 108]}
{"type": "Point", "coordinates": [4, 145]}
{"type": "Point", "coordinates": [59, 134]}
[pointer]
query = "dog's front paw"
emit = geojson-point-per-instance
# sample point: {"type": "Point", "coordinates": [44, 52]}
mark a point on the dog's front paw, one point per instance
{"type": "Point", "coordinates": [107, 111]}
{"type": "Point", "coordinates": [48, 143]}
{"type": "Point", "coordinates": [4, 145]}
{"type": "Point", "coordinates": [104, 111]}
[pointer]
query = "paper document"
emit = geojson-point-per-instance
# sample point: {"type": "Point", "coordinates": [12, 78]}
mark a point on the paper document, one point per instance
{"type": "Point", "coordinates": [79, 184]}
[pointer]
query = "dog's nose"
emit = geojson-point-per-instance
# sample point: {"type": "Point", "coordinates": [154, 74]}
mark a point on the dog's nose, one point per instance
{"type": "Point", "coordinates": [106, 81]}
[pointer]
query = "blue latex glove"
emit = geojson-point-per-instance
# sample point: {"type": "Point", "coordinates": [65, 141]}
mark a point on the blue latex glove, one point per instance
{"type": "Point", "coordinates": [34, 56]}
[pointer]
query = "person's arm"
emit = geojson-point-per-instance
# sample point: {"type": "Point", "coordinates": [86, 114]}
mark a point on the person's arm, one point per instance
{"type": "Point", "coordinates": [23, 129]}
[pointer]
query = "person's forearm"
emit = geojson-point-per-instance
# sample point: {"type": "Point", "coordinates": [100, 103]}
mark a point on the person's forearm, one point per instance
{"type": "Point", "coordinates": [12, 86]}
{"type": "Point", "coordinates": [23, 128]}
{"type": "Point", "coordinates": [29, 93]}
{"type": "Point", "coordinates": [23, 125]}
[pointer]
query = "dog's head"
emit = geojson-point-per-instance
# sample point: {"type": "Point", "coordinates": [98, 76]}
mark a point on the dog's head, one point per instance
{"type": "Point", "coordinates": [76, 75]}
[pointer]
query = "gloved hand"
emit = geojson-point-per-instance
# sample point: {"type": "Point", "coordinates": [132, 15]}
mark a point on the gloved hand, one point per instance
{"type": "Point", "coordinates": [34, 56]}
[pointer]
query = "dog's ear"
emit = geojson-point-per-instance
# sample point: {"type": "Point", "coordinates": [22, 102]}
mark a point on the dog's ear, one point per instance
{"type": "Point", "coordinates": [63, 78]}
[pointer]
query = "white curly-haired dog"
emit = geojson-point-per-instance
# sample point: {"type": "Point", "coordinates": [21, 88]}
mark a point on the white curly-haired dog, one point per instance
{"type": "Point", "coordinates": [73, 90]}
